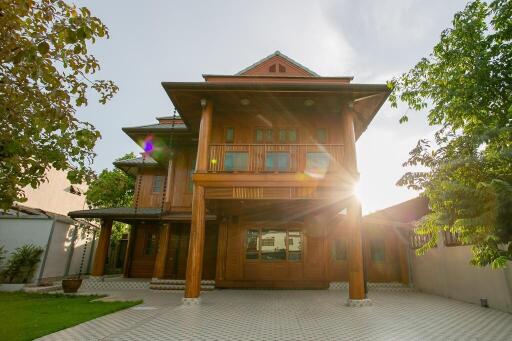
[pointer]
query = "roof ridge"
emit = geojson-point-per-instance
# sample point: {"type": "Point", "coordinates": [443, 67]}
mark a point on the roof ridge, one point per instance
{"type": "Point", "coordinates": [280, 54]}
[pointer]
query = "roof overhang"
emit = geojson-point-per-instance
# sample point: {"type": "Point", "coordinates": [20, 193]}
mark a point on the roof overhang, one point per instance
{"type": "Point", "coordinates": [130, 214]}
{"type": "Point", "coordinates": [281, 97]}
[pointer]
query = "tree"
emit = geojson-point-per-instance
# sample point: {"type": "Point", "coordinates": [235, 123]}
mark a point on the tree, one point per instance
{"type": "Point", "coordinates": [466, 170]}
{"type": "Point", "coordinates": [45, 74]}
{"type": "Point", "coordinates": [113, 188]}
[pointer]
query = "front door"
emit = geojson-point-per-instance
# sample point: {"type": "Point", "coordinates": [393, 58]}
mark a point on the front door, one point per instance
{"type": "Point", "coordinates": [176, 267]}
{"type": "Point", "coordinates": [144, 251]}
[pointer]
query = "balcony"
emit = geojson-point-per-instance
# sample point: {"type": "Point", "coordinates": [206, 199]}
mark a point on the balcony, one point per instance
{"type": "Point", "coordinates": [316, 160]}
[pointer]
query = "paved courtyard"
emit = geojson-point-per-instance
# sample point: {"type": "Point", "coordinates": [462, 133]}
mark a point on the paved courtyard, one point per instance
{"type": "Point", "coordinates": [292, 315]}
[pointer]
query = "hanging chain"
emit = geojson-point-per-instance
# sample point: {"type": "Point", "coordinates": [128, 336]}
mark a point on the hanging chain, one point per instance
{"type": "Point", "coordinates": [87, 232]}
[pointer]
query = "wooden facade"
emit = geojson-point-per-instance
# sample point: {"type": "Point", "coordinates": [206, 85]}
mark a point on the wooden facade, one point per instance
{"type": "Point", "coordinates": [252, 185]}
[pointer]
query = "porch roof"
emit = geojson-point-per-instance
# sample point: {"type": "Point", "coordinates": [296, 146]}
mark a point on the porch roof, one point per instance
{"type": "Point", "coordinates": [130, 213]}
{"type": "Point", "coordinates": [289, 97]}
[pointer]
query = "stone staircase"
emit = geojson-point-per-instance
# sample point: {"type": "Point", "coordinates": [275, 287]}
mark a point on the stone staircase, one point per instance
{"type": "Point", "coordinates": [178, 284]}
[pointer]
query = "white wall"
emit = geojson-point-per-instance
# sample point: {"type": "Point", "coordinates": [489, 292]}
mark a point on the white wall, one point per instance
{"type": "Point", "coordinates": [74, 268]}
{"type": "Point", "coordinates": [54, 196]}
{"type": "Point", "coordinates": [446, 271]}
{"type": "Point", "coordinates": [60, 244]}
{"type": "Point", "coordinates": [17, 232]}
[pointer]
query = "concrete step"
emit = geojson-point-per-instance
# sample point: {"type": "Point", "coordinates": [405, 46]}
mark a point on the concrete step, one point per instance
{"type": "Point", "coordinates": [178, 284]}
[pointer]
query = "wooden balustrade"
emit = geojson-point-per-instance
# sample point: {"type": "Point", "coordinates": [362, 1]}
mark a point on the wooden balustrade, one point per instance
{"type": "Point", "coordinates": [255, 157]}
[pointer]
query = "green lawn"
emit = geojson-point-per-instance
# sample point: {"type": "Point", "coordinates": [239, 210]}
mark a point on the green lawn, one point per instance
{"type": "Point", "coordinates": [26, 316]}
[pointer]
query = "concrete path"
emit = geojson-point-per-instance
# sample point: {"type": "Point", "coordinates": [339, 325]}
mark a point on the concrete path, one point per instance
{"type": "Point", "coordinates": [292, 315]}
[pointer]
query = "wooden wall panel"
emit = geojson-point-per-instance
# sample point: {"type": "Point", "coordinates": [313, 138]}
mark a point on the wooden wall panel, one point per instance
{"type": "Point", "coordinates": [144, 196]}
{"type": "Point", "coordinates": [182, 194]}
{"type": "Point", "coordinates": [305, 124]}
{"type": "Point", "coordinates": [142, 264]}
{"type": "Point", "coordinates": [387, 270]}
{"type": "Point", "coordinates": [235, 253]}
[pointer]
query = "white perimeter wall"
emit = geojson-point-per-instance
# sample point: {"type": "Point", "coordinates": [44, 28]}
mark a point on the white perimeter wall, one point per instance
{"type": "Point", "coordinates": [446, 271]}
{"type": "Point", "coordinates": [17, 232]}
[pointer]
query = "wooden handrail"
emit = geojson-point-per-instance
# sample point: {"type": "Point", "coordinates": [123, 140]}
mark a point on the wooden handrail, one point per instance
{"type": "Point", "coordinates": [257, 156]}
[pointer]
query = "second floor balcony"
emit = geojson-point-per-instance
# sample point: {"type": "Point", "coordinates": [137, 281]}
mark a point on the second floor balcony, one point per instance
{"type": "Point", "coordinates": [313, 159]}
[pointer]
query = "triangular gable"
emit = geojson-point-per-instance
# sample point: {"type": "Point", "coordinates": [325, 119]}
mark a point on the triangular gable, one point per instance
{"type": "Point", "coordinates": [277, 64]}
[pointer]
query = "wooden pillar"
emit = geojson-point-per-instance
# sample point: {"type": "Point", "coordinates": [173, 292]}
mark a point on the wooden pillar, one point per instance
{"type": "Point", "coordinates": [98, 267]}
{"type": "Point", "coordinates": [349, 142]}
{"type": "Point", "coordinates": [355, 241]}
{"type": "Point", "coordinates": [355, 252]}
{"type": "Point", "coordinates": [164, 236]}
{"type": "Point", "coordinates": [221, 250]}
{"type": "Point", "coordinates": [129, 252]}
{"type": "Point", "coordinates": [197, 228]}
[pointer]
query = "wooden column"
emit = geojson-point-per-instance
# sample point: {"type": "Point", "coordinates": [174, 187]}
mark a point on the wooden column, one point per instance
{"type": "Point", "coordinates": [355, 242]}
{"type": "Point", "coordinates": [129, 251]}
{"type": "Point", "coordinates": [349, 141]}
{"type": "Point", "coordinates": [164, 236]}
{"type": "Point", "coordinates": [355, 252]}
{"type": "Point", "coordinates": [197, 228]}
{"type": "Point", "coordinates": [98, 267]}
{"type": "Point", "coordinates": [221, 250]}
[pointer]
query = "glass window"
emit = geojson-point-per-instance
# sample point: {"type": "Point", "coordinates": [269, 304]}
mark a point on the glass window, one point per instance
{"type": "Point", "coordinates": [321, 135]}
{"type": "Point", "coordinates": [273, 245]}
{"type": "Point", "coordinates": [158, 183]}
{"type": "Point", "coordinates": [230, 135]}
{"type": "Point", "coordinates": [317, 163]}
{"type": "Point", "coordinates": [150, 243]}
{"type": "Point", "coordinates": [377, 250]}
{"type": "Point", "coordinates": [292, 135]}
{"type": "Point", "coordinates": [287, 135]}
{"type": "Point", "coordinates": [340, 249]}
{"type": "Point", "coordinates": [264, 135]}
{"type": "Point", "coordinates": [253, 244]}
{"type": "Point", "coordinates": [294, 245]}
{"type": "Point", "coordinates": [277, 161]}
{"type": "Point", "coordinates": [282, 135]}
{"type": "Point", "coordinates": [236, 161]}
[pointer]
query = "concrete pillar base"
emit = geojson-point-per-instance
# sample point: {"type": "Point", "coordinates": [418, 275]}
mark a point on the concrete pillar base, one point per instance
{"type": "Point", "coordinates": [191, 301]}
{"type": "Point", "coordinates": [366, 302]}
{"type": "Point", "coordinates": [96, 278]}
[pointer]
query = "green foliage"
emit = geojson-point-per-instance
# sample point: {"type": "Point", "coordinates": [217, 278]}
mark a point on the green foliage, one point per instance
{"type": "Point", "coordinates": [3, 252]}
{"type": "Point", "coordinates": [113, 188]}
{"type": "Point", "coordinates": [27, 316]}
{"type": "Point", "coordinates": [466, 172]}
{"type": "Point", "coordinates": [45, 73]}
{"type": "Point", "coordinates": [22, 264]}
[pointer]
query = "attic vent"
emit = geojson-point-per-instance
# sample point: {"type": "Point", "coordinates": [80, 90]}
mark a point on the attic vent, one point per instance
{"type": "Point", "coordinates": [282, 69]}
{"type": "Point", "coordinates": [272, 68]}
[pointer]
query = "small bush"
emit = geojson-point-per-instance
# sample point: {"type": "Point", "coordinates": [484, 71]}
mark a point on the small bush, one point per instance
{"type": "Point", "coordinates": [22, 264]}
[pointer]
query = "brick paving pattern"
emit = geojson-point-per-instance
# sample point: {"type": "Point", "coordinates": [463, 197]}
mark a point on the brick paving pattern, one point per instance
{"type": "Point", "coordinates": [293, 315]}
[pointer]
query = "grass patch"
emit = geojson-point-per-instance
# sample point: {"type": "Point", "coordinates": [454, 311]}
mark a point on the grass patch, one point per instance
{"type": "Point", "coordinates": [26, 316]}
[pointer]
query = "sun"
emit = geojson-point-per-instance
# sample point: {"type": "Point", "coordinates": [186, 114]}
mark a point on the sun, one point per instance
{"type": "Point", "coordinates": [358, 191]}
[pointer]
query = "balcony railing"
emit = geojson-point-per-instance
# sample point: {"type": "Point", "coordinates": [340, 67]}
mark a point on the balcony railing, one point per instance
{"type": "Point", "coordinates": [254, 158]}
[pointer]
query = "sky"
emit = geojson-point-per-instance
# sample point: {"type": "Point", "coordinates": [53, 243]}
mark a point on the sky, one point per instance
{"type": "Point", "coordinates": [372, 40]}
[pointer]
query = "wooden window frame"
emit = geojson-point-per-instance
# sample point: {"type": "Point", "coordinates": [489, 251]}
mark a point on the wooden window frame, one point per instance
{"type": "Point", "coordinates": [273, 227]}
{"type": "Point", "coordinates": [161, 188]}
{"type": "Point", "coordinates": [345, 241]}
{"type": "Point", "coordinates": [326, 135]}
{"type": "Point", "coordinates": [226, 135]}
{"type": "Point", "coordinates": [277, 170]}
{"type": "Point", "coordinates": [384, 256]}
{"type": "Point", "coordinates": [265, 130]}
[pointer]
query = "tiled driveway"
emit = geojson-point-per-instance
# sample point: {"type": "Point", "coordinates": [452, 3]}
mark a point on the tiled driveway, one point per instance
{"type": "Point", "coordinates": [293, 315]}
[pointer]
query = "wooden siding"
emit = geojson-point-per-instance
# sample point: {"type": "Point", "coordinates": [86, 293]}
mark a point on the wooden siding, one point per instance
{"type": "Point", "coordinates": [257, 153]}
{"type": "Point", "coordinates": [318, 265]}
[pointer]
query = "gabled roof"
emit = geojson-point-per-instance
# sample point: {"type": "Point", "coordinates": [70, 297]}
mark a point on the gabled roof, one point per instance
{"type": "Point", "coordinates": [278, 54]}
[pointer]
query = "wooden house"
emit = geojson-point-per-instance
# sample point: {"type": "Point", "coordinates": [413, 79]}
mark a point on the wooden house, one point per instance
{"type": "Point", "coordinates": [252, 185]}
